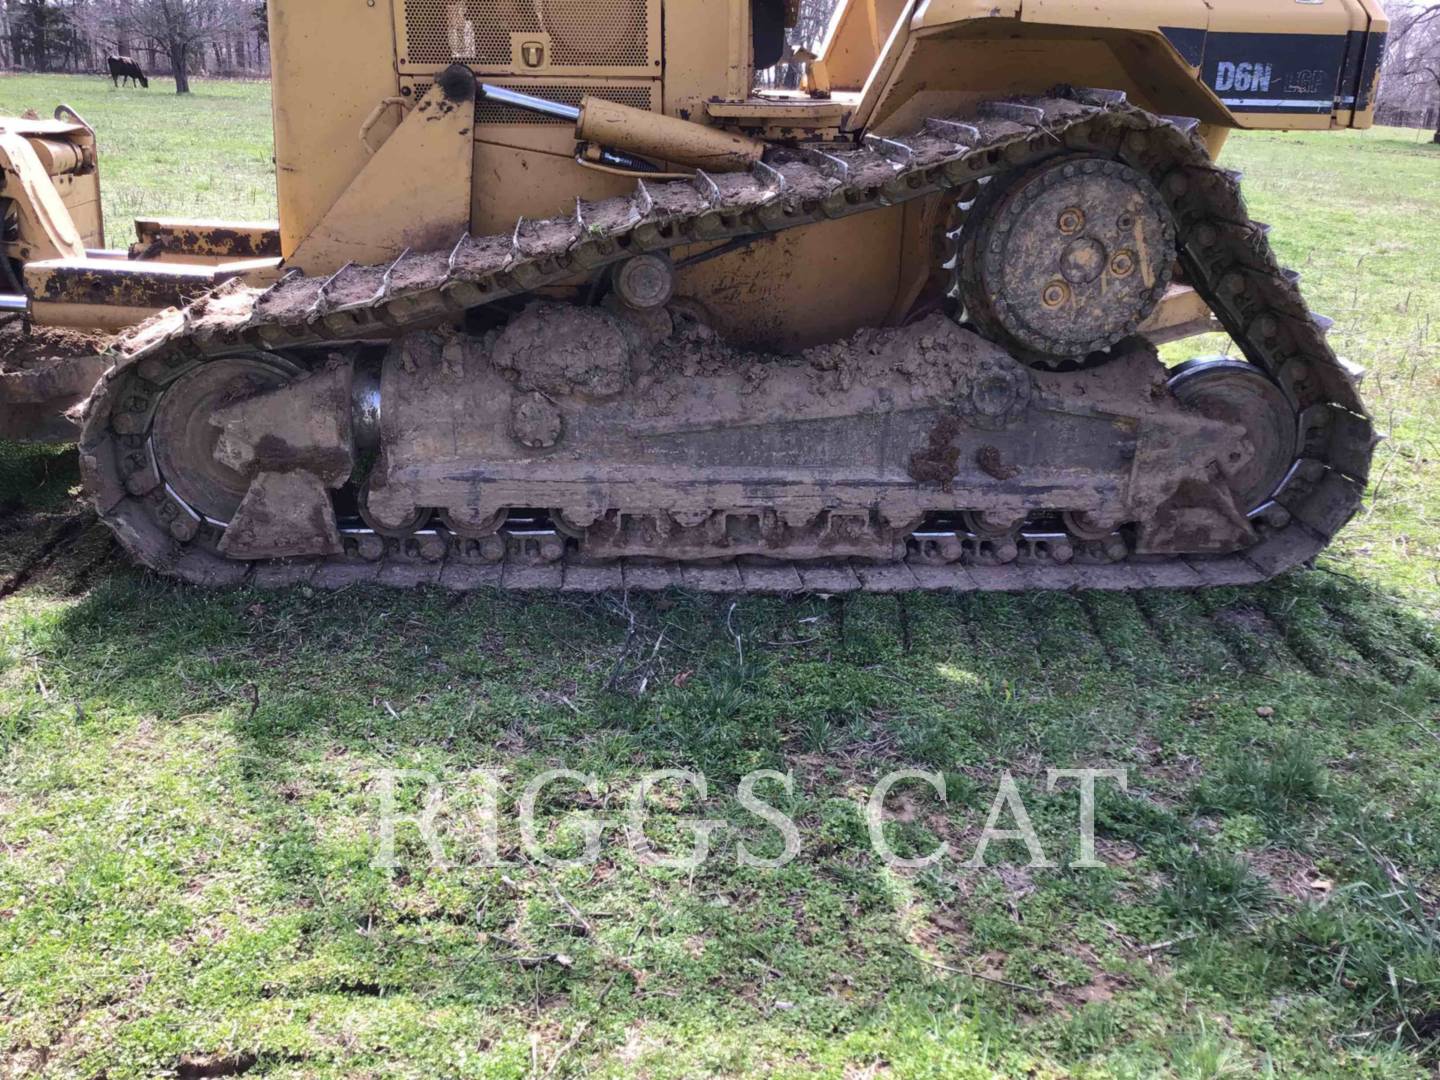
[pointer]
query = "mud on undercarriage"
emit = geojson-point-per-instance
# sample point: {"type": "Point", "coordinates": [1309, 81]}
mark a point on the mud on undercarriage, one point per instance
{"type": "Point", "coordinates": [257, 435]}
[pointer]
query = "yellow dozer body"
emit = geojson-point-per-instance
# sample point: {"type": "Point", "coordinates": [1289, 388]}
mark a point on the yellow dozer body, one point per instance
{"type": "Point", "coordinates": [558, 298]}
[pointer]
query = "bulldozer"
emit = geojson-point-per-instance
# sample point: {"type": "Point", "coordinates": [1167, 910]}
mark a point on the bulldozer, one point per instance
{"type": "Point", "coordinates": [575, 295]}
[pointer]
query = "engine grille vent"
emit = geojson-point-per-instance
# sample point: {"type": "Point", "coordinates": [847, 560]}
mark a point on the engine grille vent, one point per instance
{"type": "Point", "coordinates": [583, 33]}
{"type": "Point", "coordinates": [488, 112]}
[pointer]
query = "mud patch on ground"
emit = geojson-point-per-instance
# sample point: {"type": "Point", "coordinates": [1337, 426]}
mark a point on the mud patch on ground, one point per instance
{"type": "Point", "coordinates": [22, 350]}
{"type": "Point", "coordinates": [197, 1066]}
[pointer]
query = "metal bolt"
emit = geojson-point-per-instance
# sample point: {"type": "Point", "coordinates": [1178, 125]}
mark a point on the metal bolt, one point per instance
{"type": "Point", "coordinates": [1123, 264]}
{"type": "Point", "coordinates": [1072, 221]}
{"type": "Point", "coordinates": [1056, 293]}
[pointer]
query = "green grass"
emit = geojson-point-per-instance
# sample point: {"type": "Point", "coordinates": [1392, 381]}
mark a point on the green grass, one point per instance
{"type": "Point", "coordinates": [1356, 214]}
{"type": "Point", "coordinates": [189, 787]}
{"type": "Point", "coordinates": [209, 154]}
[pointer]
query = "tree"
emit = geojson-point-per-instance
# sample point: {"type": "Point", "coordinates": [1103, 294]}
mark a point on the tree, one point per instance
{"type": "Point", "coordinates": [182, 28]}
{"type": "Point", "coordinates": [1412, 67]}
{"type": "Point", "coordinates": [39, 32]}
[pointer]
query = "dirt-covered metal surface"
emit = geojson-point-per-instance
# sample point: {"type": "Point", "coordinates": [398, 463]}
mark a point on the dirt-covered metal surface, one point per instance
{"type": "Point", "coordinates": [44, 373]}
{"type": "Point", "coordinates": [969, 535]}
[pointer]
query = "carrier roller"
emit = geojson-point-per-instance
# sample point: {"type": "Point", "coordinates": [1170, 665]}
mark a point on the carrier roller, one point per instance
{"type": "Point", "coordinates": [350, 429]}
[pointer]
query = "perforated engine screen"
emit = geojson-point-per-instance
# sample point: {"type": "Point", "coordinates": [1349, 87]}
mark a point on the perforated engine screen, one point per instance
{"type": "Point", "coordinates": [611, 34]}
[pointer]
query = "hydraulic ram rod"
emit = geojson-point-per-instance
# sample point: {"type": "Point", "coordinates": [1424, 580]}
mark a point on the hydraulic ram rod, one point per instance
{"type": "Point", "coordinates": [651, 134]}
{"type": "Point", "coordinates": [9, 303]}
{"type": "Point", "coordinates": [529, 103]}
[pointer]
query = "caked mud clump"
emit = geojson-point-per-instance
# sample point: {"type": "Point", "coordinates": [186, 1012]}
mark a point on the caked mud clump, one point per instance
{"type": "Point", "coordinates": [21, 351]}
{"type": "Point", "coordinates": [935, 355]}
{"type": "Point", "coordinates": [552, 236]}
{"type": "Point", "coordinates": [805, 182]}
{"type": "Point", "coordinates": [694, 350]}
{"type": "Point", "coordinates": [358, 287]}
{"type": "Point", "coordinates": [560, 349]}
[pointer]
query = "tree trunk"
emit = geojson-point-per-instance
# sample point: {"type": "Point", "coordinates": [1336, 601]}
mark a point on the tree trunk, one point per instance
{"type": "Point", "coordinates": [179, 61]}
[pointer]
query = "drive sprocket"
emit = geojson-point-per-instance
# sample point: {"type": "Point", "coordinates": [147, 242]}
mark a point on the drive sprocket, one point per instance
{"type": "Point", "coordinates": [1065, 259]}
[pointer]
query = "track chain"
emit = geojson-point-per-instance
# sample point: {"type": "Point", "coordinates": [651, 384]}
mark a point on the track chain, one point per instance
{"type": "Point", "coordinates": [1225, 256]}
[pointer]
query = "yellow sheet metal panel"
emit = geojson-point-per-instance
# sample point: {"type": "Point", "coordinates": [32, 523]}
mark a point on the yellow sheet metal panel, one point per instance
{"type": "Point", "coordinates": [707, 55]}
{"type": "Point", "coordinates": [1121, 14]}
{"type": "Point", "coordinates": [81, 195]}
{"type": "Point", "coordinates": [1286, 16]}
{"type": "Point", "coordinates": [948, 12]}
{"type": "Point", "coordinates": [858, 31]}
{"type": "Point", "coordinates": [804, 286]}
{"type": "Point", "coordinates": [414, 193]}
{"type": "Point", "coordinates": [947, 70]}
{"type": "Point", "coordinates": [332, 63]}
{"type": "Point", "coordinates": [511, 183]}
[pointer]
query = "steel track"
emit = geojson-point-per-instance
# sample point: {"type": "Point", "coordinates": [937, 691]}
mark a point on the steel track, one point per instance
{"type": "Point", "coordinates": [1224, 255]}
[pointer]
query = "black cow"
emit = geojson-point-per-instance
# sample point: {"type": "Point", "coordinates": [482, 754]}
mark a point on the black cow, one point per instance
{"type": "Point", "coordinates": [122, 67]}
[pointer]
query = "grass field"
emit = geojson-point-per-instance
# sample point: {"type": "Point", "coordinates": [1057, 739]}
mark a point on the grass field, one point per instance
{"type": "Point", "coordinates": [190, 784]}
{"type": "Point", "coordinates": [207, 155]}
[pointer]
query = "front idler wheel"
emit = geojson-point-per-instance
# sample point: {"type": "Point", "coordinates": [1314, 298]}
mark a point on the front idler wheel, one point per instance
{"type": "Point", "coordinates": [1240, 393]}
